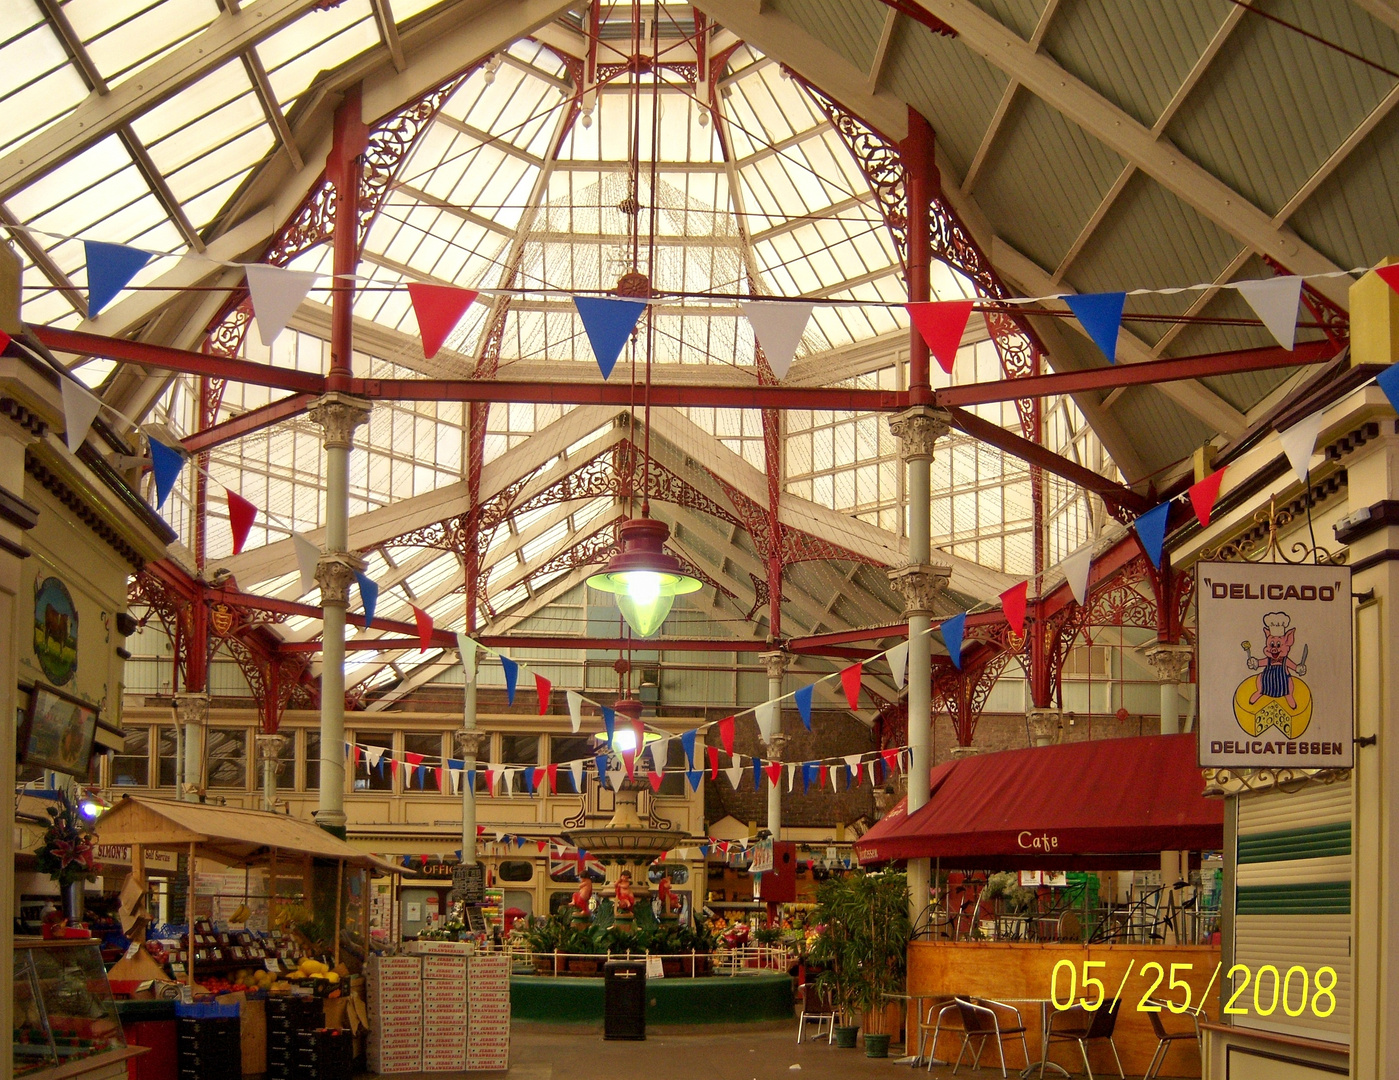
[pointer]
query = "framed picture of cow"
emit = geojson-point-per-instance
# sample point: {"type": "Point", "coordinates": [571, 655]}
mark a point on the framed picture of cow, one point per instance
{"type": "Point", "coordinates": [57, 732]}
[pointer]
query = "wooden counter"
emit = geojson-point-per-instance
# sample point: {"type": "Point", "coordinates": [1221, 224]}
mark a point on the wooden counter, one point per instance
{"type": "Point", "coordinates": [1008, 970]}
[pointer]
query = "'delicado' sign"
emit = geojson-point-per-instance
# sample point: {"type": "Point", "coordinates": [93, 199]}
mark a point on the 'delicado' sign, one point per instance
{"type": "Point", "coordinates": [1275, 665]}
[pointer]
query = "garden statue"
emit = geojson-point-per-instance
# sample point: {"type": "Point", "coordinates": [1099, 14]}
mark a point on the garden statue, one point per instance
{"type": "Point", "coordinates": [582, 909]}
{"type": "Point", "coordinates": [670, 903]}
{"type": "Point", "coordinates": [623, 900]}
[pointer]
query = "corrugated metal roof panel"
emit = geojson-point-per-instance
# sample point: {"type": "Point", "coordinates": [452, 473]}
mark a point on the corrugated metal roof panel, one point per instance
{"type": "Point", "coordinates": [952, 86]}
{"type": "Point", "coordinates": [1043, 178]}
{"type": "Point", "coordinates": [1274, 105]}
{"type": "Point", "coordinates": [850, 28]}
{"type": "Point", "coordinates": [1150, 239]}
{"type": "Point", "coordinates": [1354, 216]}
{"type": "Point", "coordinates": [1020, 15]}
{"type": "Point", "coordinates": [1135, 54]}
{"type": "Point", "coordinates": [1162, 433]}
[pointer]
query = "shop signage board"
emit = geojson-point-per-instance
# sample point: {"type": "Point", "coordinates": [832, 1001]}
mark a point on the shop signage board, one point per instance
{"type": "Point", "coordinates": [1275, 663]}
{"type": "Point", "coordinates": [469, 883]}
{"type": "Point", "coordinates": [762, 856]}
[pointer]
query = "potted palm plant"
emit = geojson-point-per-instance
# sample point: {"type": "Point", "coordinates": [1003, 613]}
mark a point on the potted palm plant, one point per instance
{"type": "Point", "coordinates": [863, 946]}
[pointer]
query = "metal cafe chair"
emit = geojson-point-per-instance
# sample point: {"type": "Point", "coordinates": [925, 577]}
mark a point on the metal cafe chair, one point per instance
{"type": "Point", "coordinates": [1166, 1038]}
{"type": "Point", "coordinates": [817, 1008]}
{"type": "Point", "coordinates": [1077, 1024]}
{"type": "Point", "coordinates": [942, 1008]}
{"type": "Point", "coordinates": [981, 1020]}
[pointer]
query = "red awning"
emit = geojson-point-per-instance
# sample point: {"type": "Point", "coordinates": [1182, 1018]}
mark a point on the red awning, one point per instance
{"type": "Point", "coordinates": [1101, 804]}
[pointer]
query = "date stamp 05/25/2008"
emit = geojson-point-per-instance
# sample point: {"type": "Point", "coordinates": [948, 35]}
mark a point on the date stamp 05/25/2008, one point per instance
{"type": "Point", "coordinates": [1258, 992]}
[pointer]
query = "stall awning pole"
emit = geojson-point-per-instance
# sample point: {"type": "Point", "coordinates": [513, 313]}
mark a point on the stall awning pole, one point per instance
{"type": "Point", "coordinates": [189, 914]}
{"type": "Point", "coordinates": [339, 888]}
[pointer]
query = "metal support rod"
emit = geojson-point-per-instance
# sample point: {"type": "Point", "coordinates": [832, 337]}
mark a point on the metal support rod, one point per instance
{"type": "Point", "coordinates": [468, 754]}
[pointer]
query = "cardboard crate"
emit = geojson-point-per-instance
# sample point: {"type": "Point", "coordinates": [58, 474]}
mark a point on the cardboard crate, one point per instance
{"type": "Point", "coordinates": [438, 948]}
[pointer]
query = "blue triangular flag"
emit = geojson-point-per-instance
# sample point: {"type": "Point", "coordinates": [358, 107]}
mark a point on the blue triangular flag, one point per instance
{"type": "Point", "coordinates": [687, 742]}
{"type": "Point", "coordinates": [1388, 381]}
{"type": "Point", "coordinates": [422, 775]}
{"type": "Point", "coordinates": [453, 763]}
{"type": "Point", "coordinates": [1151, 530]}
{"type": "Point", "coordinates": [470, 779]}
{"type": "Point", "coordinates": [808, 774]}
{"type": "Point", "coordinates": [694, 776]}
{"type": "Point", "coordinates": [609, 721]}
{"type": "Point", "coordinates": [166, 464]}
{"type": "Point", "coordinates": [519, 841]}
{"type": "Point", "coordinates": [408, 861]}
{"type": "Point", "coordinates": [952, 631]}
{"type": "Point", "coordinates": [704, 848]}
{"type": "Point", "coordinates": [608, 323]}
{"type": "Point", "coordinates": [368, 595]}
{"type": "Point", "coordinates": [757, 775]}
{"type": "Point", "coordinates": [1101, 316]}
{"type": "Point", "coordinates": [529, 780]}
{"type": "Point", "coordinates": [600, 763]}
{"type": "Point", "coordinates": [109, 268]}
{"type": "Point", "coordinates": [512, 672]}
{"type": "Point", "coordinates": [803, 697]}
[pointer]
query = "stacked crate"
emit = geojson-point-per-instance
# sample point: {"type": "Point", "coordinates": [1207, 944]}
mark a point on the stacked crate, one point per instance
{"type": "Point", "coordinates": [444, 1011]}
{"type": "Point", "coordinates": [208, 1041]}
{"type": "Point", "coordinates": [288, 1017]}
{"type": "Point", "coordinates": [395, 986]}
{"type": "Point", "coordinates": [488, 1024]}
{"type": "Point", "coordinates": [325, 1054]}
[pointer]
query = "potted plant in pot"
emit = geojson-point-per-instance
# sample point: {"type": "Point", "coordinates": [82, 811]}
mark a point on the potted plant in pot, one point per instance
{"type": "Point", "coordinates": [66, 856]}
{"type": "Point", "coordinates": [863, 947]}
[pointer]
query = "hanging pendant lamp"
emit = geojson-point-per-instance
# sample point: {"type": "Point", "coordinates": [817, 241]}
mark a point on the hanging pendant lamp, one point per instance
{"type": "Point", "coordinates": [643, 577]}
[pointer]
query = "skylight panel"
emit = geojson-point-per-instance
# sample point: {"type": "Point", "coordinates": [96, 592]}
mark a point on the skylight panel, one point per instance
{"type": "Point", "coordinates": [318, 41]}
{"type": "Point", "coordinates": [200, 117]}
{"type": "Point", "coordinates": [123, 37]}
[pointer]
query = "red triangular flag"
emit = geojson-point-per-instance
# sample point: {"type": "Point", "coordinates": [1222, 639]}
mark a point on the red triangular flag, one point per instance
{"type": "Point", "coordinates": [774, 771]}
{"type": "Point", "coordinates": [439, 308]}
{"type": "Point", "coordinates": [850, 679]}
{"type": "Point", "coordinates": [638, 736]}
{"type": "Point", "coordinates": [543, 687]}
{"type": "Point", "coordinates": [713, 762]}
{"type": "Point", "coordinates": [821, 775]}
{"type": "Point", "coordinates": [413, 759]}
{"type": "Point", "coordinates": [726, 734]}
{"type": "Point", "coordinates": [393, 766]}
{"type": "Point", "coordinates": [438, 770]}
{"type": "Point", "coordinates": [1013, 604]}
{"type": "Point", "coordinates": [629, 760]}
{"type": "Point", "coordinates": [1389, 275]}
{"type": "Point", "coordinates": [891, 760]}
{"type": "Point", "coordinates": [355, 756]}
{"type": "Point", "coordinates": [424, 621]}
{"type": "Point", "coordinates": [541, 844]}
{"type": "Point", "coordinates": [490, 790]}
{"type": "Point", "coordinates": [942, 324]}
{"type": "Point", "coordinates": [240, 519]}
{"type": "Point", "coordinates": [5, 340]}
{"type": "Point", "coordinates": [552, 772]}
{"type": "Point", "coordinates": [1203, 494]}
{"type": "Point", "coordinates": [655, 779]}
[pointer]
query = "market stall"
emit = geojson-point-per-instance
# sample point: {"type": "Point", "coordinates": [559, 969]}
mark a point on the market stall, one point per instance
{"type": "Point", "coordinates": [1107, 806]}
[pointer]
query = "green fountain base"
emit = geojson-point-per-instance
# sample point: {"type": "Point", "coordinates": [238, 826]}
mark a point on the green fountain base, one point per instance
{"type": "Point", "coordinates": [717, 999]}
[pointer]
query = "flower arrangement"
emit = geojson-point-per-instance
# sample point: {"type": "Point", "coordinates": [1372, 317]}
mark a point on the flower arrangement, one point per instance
{"type": "Point", "coordinates": [66, 853]}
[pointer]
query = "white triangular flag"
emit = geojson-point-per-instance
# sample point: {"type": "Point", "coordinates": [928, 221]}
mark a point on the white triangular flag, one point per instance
{"type": "Point", "coordinates": [1299, 441]}
{"type": "Point", "coordinates": [575, 709]}
{"type": "Point", "coordinates": [660, 751]}
{"type": "Point", "coordinates": [456, 781]}
{"type": "Point", "coordinates": [870, 764]}
{"type": "Point", "coordinates": [778, 326]}
{"type": "Point", "coordinates": [374, 754]}
{"type": "Point", "coordinates": [735, 775]}
{"type": "Point", "coordinates": [831, 775]}
{"type": "Point", "coordinates": [276, 293]}
{"type": "Point", "coordinates": [1274, 300]}
{"type": "Point", "coordinates": [307, 556]}
{"type": "Point", "coordinates": [79, 411]}
{"type": "Point", "coordinates": [852, 761]}
{"type": "Point", "coordinates": [898, 663]}
{"type": "Point", "coordinates": [466, 646]}
{"type": "Point", "coordinates": [615, 778]}
{"type": "Point", "coordinates": [766, 715]}
{"type": "Point", "coordinates": [791, 775]}
{"type": "Point", "coordinates": [1076, 568]}
{"type": "Point", "coordinates": [507, 777]}
{"type": "Point", "coordinates": [576, 768]}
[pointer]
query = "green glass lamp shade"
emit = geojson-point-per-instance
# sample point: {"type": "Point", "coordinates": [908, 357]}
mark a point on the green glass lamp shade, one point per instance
{"type": "Point", "coordinates": [643, 577]}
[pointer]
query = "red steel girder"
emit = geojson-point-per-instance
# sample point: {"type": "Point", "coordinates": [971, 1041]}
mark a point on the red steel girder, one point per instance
{"type": "Point", "coordinates": [247, 423]}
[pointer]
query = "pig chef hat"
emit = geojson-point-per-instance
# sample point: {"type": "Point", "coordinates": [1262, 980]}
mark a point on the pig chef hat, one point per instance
{"type": "Point", "coordinates": [1277, 623]}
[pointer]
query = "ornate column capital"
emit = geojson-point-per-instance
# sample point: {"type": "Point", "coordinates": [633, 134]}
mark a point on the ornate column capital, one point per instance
{"type": "Point", "coordinates": [338, 415]}
{"type": "Point", "coordinates": [270, 748]}
{"type": "Point", "coordinates": [1046, 726]}
{"type": "Point", "coordinates": [192, 709]}
{"type": "Point", "coordinates": [776, 743]}
{"type": "Point", "coordinates": [469, 742]}
{"type": "Point", "coordinates": [887, 795]}
{"type": "Point", "coordinates": [920, 584]}
{"type": "Point", "coordinates": [335, 573]}
{"type": "Point", "coordinates": [776, 663]}
{"type": "Point", "coordinates": [1170, 662]}
{"type": "Point", "coordinates": [917, 429]}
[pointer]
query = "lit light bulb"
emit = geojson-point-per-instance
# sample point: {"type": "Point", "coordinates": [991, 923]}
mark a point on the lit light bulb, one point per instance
{"type": "Point", "coordinates": [623, 740]}
{"type": "Point", "coordinates": [643, 586]}
{"type": "Point", "coordinates": [90, 810]}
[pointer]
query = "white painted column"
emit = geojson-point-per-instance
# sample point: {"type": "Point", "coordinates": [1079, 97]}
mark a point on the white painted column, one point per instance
{"type": "Point", "coordinates": [192, 716]}
{"type": "Point", "coordinates": [776, 663]}
{"type": "Point", "coordinates": [469, 743]}
{"type": "Point", "coordinates": [338, 415]}
{"type": "Point", "coordinates": [919, 583]}
{"type": "Point", "coordinates": [269, 752]}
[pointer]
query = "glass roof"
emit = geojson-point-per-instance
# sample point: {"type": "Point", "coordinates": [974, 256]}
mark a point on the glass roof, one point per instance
{"type": "Point", "coordinates": [509, 187]}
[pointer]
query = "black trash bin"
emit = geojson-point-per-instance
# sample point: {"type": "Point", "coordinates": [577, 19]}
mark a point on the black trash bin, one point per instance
{"type": "Point", "coordinates": [624, 1000]}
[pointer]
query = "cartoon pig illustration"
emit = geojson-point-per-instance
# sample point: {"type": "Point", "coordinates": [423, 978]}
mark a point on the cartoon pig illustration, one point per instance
{"type": "Point", "coordinates": [1275, 668]}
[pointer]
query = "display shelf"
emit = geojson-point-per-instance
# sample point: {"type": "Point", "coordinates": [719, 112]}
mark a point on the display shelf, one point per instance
{"type": "Point", "coordinates": [65, 1019]}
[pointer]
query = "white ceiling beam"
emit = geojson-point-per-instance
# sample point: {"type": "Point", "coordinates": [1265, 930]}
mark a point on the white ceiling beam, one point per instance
{"type": "Point", "coordinates": [427, 199]}
{"type": "Point", "coordinates": [99, 115]}
{"type": "Point", "coordinates": [881, 50]}
{"type": "Point", "coordinates": [1202, 300]}
{"type": "Point", "coordinates": [1007, 98]}
{"type": "Point", "coordinates": [1386, 11]}
{"type": "Point", "coordinates": [388, 32]}
{"type": "Point", "coordinates": [819, 64]}
{"type": "Point", "coordinates": [485, 138]}
{"type": "Point", "coordinates": [1191, 395]}
{"type": "Point", "coordinates": [832, 211]}
{"type": "Point", "coordinates": [1121, 132]}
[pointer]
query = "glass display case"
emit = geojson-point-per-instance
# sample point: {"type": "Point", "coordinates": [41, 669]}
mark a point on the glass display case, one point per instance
{"type": "Point", "coordinates": [64, 1010]}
